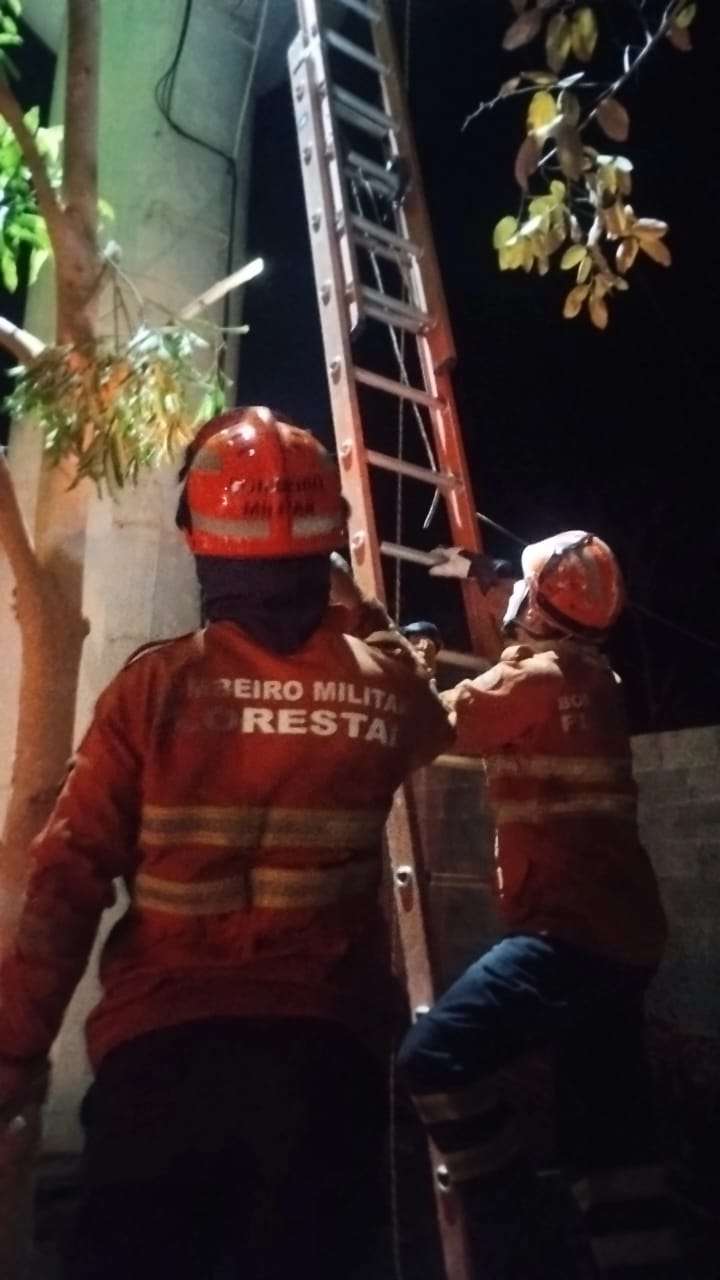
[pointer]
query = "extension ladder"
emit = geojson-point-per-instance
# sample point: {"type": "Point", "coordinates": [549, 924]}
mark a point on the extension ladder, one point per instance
{"type": "Point", "coordinates": [381, 302]}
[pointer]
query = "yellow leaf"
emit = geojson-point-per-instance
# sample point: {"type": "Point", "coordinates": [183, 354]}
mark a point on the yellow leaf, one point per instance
{"type": "Point", "coordinates": [558, 189]}
{"type": "Point", "coordinates": [626, 254]}
{"type": "Point", "coordinates": [510, 257]}
{"type": "Point", "coordinates": [573, 257]}
{"type": "Point", "coordinates": [585, 269]}
{"type": "Point", "coordinates": [542, 78]}
{"type": "Point", "coordinates": [558, 41]}
{"type": "Point", "coordinates": [505, 228]}
{"type": "Point", "coordinates": [584, 34]}
{"type": "Point", "coordinates": [541, 205]}
{"type": "Point", "coordinates": [542, 110]}
{"type": "Point", "coordinates": [657, 250]}
{"type": "Point", "coordinates": [598, 312]}
{"type": "Point", "coordinates": [613, 119]}
{"type": "Point", "coordinates": [528, 255]}
{"type": "Point", "coordinates": [650, 228]}
{"type": "Point", "coordinates": [574, 301]}
{"type": "Point", "coordinates": [686, 16]}
{"type": "Point", "coordinates": [523, 29]}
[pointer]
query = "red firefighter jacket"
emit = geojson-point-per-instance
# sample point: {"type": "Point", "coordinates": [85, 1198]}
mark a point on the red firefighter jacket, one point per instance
{"type": "Point", "coordinates": [568, 857]}
{"type": "Point", "coordinates": [241, 795]}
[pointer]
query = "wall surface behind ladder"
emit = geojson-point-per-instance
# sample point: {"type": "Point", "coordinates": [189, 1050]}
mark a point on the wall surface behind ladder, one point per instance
{"type": "Point", "coordinates": [679, 782]}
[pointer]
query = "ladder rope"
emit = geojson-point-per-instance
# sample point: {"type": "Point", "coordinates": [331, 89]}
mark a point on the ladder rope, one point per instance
{"type": "Point", "coordinates": [403, 375]}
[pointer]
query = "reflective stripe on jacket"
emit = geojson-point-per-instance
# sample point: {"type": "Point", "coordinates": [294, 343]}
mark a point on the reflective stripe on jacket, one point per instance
{"type": "Point", "coordinates": [569, 860]}
{"type": "Point", "coordinates": [241, 795]}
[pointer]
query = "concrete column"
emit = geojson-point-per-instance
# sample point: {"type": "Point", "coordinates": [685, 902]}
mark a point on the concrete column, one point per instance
{"type": "Point", "coordinates": [172, 201]}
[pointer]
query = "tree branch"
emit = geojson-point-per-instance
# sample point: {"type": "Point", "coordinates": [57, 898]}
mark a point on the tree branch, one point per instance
{"type": "Point", "coordinates": [221, 288]}
{"type": "Point", "coordinates": [80, 179]}
{"type": "Point", "coordinates": [23, 345]}
{"type": "Point", "coordinates": [48, 204]}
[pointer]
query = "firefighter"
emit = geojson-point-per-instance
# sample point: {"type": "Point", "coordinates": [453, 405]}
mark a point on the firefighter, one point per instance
{"type": "Point", "coordinates": [584, 931]}
{"type": "Point", "coordinates": [237, 780]}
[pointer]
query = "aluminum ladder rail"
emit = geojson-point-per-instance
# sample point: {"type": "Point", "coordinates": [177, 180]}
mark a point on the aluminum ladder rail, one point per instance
{"type": "Point", "coordinates": [336, 128]}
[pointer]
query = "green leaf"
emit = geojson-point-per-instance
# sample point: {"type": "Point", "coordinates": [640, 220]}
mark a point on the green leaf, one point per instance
{"type": "Point", "coordinates": [8, 270]}
{"type": "Point", "coordinates": [15, 6]}
{"type": "Point", "coordinates": [573, 257]}
{"type": "Point", "coordinates": [505, 228]}
{"type": "Point", "coordinates": [38, 258]}
{"type": "Point", "coordinates": [686, 16]}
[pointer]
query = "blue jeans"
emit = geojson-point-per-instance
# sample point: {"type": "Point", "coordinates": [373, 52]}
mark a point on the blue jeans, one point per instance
{"type": "Point", "coordinates": [527, 992]}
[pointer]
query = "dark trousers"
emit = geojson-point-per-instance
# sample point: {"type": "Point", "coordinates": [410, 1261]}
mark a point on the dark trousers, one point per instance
{"type": "Point", "coordinates": [524, 993]}
{"type": "Point", "coordinates": [231, 1149]}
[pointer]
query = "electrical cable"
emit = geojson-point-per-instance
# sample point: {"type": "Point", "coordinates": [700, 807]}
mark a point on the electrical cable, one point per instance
{"type": "Point", "coordinates": [164, 94]}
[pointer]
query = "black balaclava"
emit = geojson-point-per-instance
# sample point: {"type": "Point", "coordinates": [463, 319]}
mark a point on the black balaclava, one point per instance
{"type": "Point", "coordinates": [279, 603]}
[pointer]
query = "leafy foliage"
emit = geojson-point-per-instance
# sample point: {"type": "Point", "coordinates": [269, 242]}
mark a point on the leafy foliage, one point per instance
{"type": "Point", "coordinates": [115, 405]}
{"type": "Point", "coordinates": [575, 208]}
{"type": "Point", "coordinates": [10, 11]}
{"type": "Point", "coordinates": [22, 226]}
{"type": "Point", "coordinates": [120, 409]}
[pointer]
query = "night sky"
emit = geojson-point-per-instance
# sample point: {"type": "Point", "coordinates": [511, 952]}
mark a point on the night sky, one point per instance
{"type": "Point", "coordinates": [565, 427]}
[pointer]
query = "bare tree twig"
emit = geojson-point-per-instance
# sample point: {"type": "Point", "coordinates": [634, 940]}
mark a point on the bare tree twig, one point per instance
{"type": "Point", "coordinates": [22, 344]}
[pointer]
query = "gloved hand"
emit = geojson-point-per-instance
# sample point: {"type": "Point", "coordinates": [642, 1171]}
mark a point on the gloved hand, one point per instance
{"type": "Point", "coordinates": [455, 563]}
{"type": "Point", "coordinates": [487, 571]}
{"type": "Point", "coordinates": [343, 587]}
{"type": "Point", "coordinates": [23, 1083]}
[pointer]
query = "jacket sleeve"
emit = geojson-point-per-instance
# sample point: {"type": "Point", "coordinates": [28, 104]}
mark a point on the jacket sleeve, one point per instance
{"type": "Point", "coordinates": [432, 728]}
{"type": "Point", "coordinates": [88, 841]}
{"type": "Point", "coordinates": [504, 703]}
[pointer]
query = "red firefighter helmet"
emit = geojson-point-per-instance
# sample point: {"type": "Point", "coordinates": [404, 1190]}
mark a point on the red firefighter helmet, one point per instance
{"type": "Point", "coordinates": [571, 582]}
{"type": "Point", "coordinates": [258, 487]}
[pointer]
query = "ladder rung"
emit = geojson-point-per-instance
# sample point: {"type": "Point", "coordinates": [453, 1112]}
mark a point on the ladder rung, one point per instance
{"type": "Point", "coordinates": [395, 305]}
{"type": "Point", "coordinates": [396, 551]}
{"type": "Point", "coordinates": [455, 658]}
{"type": "Point", "coordinates": [439, 479]}
{"type": "Point", "coordinates": [356, 52]}
{"type": "Point", "coordinates": [471, 764]}
{"type": "Point", "coordinates": [375, 175]}
{"type": "Point", "coordinates": [393, 320]}
{"type": "Point", "coordinates": [364, 114]}
{"type": "Point", "coordinates": [399, 389]}
{"type": "Point", "coordinates": [372, 231]}
{"type": "Point", "coordinates": [359, 6]}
